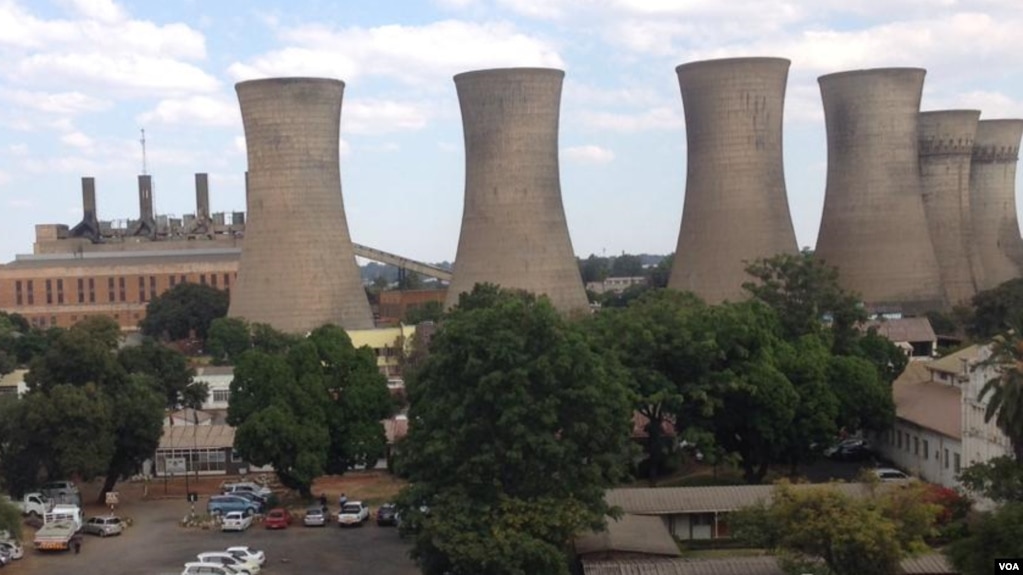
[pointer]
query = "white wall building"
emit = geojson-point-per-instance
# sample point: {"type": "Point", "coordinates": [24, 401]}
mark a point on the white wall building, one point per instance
{"type": "Point", "coordinates": [939, 427]}
{"type": "Point", "coordinates": [218, 378]}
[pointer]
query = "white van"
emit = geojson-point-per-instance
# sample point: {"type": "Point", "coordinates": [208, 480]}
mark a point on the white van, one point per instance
{"type": "Point", "coordinates": [207, 569]}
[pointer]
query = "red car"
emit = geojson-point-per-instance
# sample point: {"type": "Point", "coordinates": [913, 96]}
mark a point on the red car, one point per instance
{"type": "Point", "coordinates": [278, 518]}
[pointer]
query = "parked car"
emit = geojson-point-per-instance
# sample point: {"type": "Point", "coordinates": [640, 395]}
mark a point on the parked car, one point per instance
{"type": "Point", "coordinates": [315, 517]}
{"type": "Point", "coordinates": [247, 553]}
{"type": "Point", "coordinates": [248, 486]}
{"type": "Point", "coordinates": [889, 475]}
{"type": "Point", "coordinates": [278, 518]}
{"type": "Point", "coordinates": [255, 498]}
{"type": "Point", "coordinates": [197, 568]}
{"type": "Point", "coordinates": [236, 521]}
{"type": "Point", "coordinates": [62, 492]}
{"type": "Point", "coordinates": [849, 450]}
{"type": "Point", "coordinates": [13, 548]}
{"type": "Point", "coordinates": [225, 558]}
{"type": "Point", "coordinates": [353, 513]}
{"type": "Point", "coordinates": [221, 504]}
{"type": "Point", "coordinates": [103, 525]}
{"type": "Point", "coordinates": [5, 557]}
{"type": "Point", "coordinates": [387, 514]}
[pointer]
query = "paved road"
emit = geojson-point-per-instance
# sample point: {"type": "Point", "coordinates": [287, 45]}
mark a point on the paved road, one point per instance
{"type": "Point", "coordinates": [156, 545]}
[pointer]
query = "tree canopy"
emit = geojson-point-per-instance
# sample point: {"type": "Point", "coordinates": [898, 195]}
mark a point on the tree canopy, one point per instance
{"type": "Point", "coordinates": [517, 426]}
{"type": "Point", "coordinates": [850, 535]}
{"type": "Point", "coordinates": [1005, 389]}
{"type": "Point", "coordinates": [183, 311]}
{"type": "Point", "coordinates": [308, 406]}
{"type": "Point", "coordinates": [997, 310]}
{"type": "Point", "coordinates": [169, 371]}
{"type": "Point", "coordinates": [997, 535]}
{"type": "Point", "coordinates": [84, 414]}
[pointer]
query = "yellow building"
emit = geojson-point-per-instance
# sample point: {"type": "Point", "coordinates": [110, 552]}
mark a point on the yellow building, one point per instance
{"type": "Point", "coordinates": [390, 344]}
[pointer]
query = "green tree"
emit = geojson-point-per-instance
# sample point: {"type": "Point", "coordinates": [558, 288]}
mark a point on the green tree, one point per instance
{"type": "Point", "coordinates": [429, 311]}
{"type": "Point", "coordinates": [1005, 389]}
{"type": "Point", "coordinates": [10, 519]}
{"type": "Point", "coordinates": [170, 373]}
{"type": "Point", "coordinates": [816, 416]}
{"type": "Point", "coordinates": [997, 310]}
{"type": "Point", "coordinates": [594, 269]}
{"type": "Point", "coordinates": [517, 426]}
{"type": "Point", "coordinates": [626, 265]}
{"type": "Point", "coordinates": [229, 337]}
{"type": "Point", "coordinates": [851, 536]}
{"type": "Point", "coordinates": [865, 401]}
{"type": "Point", "coordinates": [805, 293]}
{"type": "Point", "coordinates": [137, 420]}
{"type": "Point", "coordinates": [996, 535]}
{"type": "Point", "coordinates": [654, 339]}
{"type": "Point", "coordinates": [184, 311]}
{"type": "Point", "coordinates": [410, 281]}
{"type": "Point", "coordinates": [1000, 479]}
{"type": "Point", "coordinates": [659, 275]}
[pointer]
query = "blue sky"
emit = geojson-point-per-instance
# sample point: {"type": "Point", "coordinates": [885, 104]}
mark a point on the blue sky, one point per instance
{"type": "Point", "coordinates": [79, 78]}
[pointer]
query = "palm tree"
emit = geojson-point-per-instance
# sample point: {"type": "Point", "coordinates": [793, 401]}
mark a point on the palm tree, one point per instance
{"type": "Point", "coordinates": [1006, 388]}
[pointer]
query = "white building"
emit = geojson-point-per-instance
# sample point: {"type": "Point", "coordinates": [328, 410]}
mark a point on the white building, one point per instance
{"type": "Point", "coordinates": [218, 379]}
{"type": "Point", "coordinates": [939, 427]}
{"type": "Point", "coordinates": [14, 383]}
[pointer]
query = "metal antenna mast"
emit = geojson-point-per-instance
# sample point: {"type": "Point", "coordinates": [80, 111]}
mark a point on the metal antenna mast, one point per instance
{"type": "Point", "coordinates": [142, 141]}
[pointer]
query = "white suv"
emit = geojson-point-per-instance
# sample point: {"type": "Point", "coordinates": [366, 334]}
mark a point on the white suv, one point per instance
{"type": "Point", "coordinates": [353, 513]}
{"type": "Point", "coordinates": [207, 569]}
{"type": "Point", "coordinates": [889, 475]}
{"type": "Point", "coordinates": [224, 558]}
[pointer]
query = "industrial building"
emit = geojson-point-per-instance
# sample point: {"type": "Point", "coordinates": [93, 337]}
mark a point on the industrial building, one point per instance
{"type": "Point", "coordinates": [736, 208]}
{"type": "Point", "coordinates": [946, 147]}
{"type": "Point", "coordinates": [297, 271]}
{"type": "Point", "coordinates": [873, 228]}
{"type": "Point", "coordinates": [996, 233]}
{"type": "Point", "coordinates": [514, 231]}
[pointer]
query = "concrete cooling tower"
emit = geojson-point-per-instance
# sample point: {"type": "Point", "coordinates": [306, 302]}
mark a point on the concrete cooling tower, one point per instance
{"type": "Point", "coordinates": [297, 269]}
{"type": "Point", "coordinates": [993, 201]}
{"type": "Point", "coordinates": [514, 232]}
{"type": "Point", "coordinates": [873, 228]}
{"type": "Point", "coordinates": [946, 145]}
{"type": "Point", "coordinates": [736, 208]}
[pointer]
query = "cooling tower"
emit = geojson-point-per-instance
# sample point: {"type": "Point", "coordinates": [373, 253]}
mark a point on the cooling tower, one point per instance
{"type": "Point", "coordinates": [89, 226]}
{"type": "Point", "coordinates": [993, 201]}
{"type": "Point", "coordinates": [873, 228]}
{"type": "Point", "coordinates": [297, 269]}
{"type": "Point", "coordinates": [946, 144]}
{"type": "Point", "coordinates": [514, 231]}
{"type": "Point", "coordinates": [736, 209]}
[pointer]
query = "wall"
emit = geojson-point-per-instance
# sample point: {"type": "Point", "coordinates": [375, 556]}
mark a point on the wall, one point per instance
{"type": "Point", "coordinates": [921, 452]}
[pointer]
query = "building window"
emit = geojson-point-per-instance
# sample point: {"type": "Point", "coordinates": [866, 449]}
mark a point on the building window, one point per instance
{"type": "Point", "coordinates": [173, 280]}
{"type": "Point", "coordinates": [60, 291]}
{"type": "Point", "coordinates": [81, 290]}
{"type": "Point", "coordinates": [184, 279]}
{"type": "Point", "coordinates": [221, 395]}
{"type": "Point", "coordinates": [17, 291]}
{"type": "Point", "coordinates": [927, 450]}
{"type": "Point", "coordinates": [235, 457]}
{"type": "Point", "coordinates": [202, 279]}
{"type": "Point", "coordinates": [213, 280]}
{"type": "Point", "coordinates": [916, 445]}
{"type": "Point", "coordinates": [53, 321]}
{"type": "Point", "coordinates": [110, 290]}
{"type": "Point", "coordinates": [92, 290]}
{"type": "Point", "coordinates": [142, 288]}
{"type": "Point", "coordinates": [120, 285]}
{"type": "Point", "coordinates": [49, 292]}
{"type": "Point", "coordinates": [31, 293]}
{"type": "Point", "coordinates": [227, 280]}
{"type": "Point", "coordinates": [957, 462]}
{"type": "Point", "coordinates": [152, 287]}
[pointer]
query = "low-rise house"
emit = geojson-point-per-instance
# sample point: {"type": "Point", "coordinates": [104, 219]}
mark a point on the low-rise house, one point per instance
{"type": "Point", "coordinates": [218, 381]}
{"type": "Point", "coordinates": [628, 536]}
{"type": "Point", "coordinates": [189, 416]}
{"type": "Point", "coordinates": [913, 334]}
{"type": "Point", "coordinates": [14, 383]}
{"type": "Point", "coordinates": [926, 564]}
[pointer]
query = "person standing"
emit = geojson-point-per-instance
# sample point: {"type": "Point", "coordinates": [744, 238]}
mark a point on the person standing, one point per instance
{"type": "Point", "coordinates": [76, 541]}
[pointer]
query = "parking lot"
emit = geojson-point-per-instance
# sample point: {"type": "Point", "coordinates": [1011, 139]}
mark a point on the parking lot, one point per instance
{"type": "Point", "coordinates": [157, 545]}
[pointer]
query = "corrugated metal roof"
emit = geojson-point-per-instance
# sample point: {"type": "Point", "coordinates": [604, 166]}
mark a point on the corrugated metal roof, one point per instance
{"type": "Point", "coordinates": [719, 498]}
{"type": "Point", "coordinates": [930, 404]}
{"type": "Point", "coordinates": [214, 370]}
{"type": "Point", "coordinates": [929, 564]}
{"type": "Point", "coordinates": [953, 362]}
{"type": "Point", "coordinates": [909, 329]}
{"type": "Point", "coordinates": [14, 378]}
{"type": "Point", "coordinates": [197, 437]}
{"type": "Point", "coordinates": [630, 534]}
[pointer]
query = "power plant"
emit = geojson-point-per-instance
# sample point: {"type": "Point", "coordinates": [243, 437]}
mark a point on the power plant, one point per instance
{"type": "Point", "coordinates": [873, 228]}
{"type": "Point", "coordinates": [946, 147]}
{"type": "Point", "coordinates": [993, 201]}
{"type": "Point", "coordinates": [297, 271]}
{"type": "Point", "coordinates": [514, 231]}
{"type": "Point", "coordinates": [736, 207]}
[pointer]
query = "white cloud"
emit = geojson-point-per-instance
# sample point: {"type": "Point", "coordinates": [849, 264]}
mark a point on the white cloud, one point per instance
{"type": "Point", "coordinates": [135, 73]}
{"type": "Point", "coordinates": [993, 105]}
{"type": "Point", "coordinates": [102, 10]}
{"type": "Point", "coordinates": [77, 140]}
{"type": "Point", "coordinates": [69, 103]}
{"type": "Point", "coordinates": [20, 203]}
{"type": "Point", "coordinates": [4, 177]}
{"type": "Point", "coordinates": [455, 4]}
{"type": "Point", "coordinates": [240, 146]}
{"type": "Point", "coordinates": [381, 116]}
{"type": "Point", "coordinates": [18, 149]}
{"type": "Point", "coordinates": [658, 118]}
{"type": "Point", "coordinates": [589, 154]}
{"type": "Point", "coordinates": [194, 110]}
{"type": "Point", "coordinates": [409, 54]}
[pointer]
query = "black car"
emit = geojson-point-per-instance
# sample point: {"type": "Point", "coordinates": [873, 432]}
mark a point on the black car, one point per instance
{"type": "Point", "coordinates": [387, 514]}
{"type": "Point", "coordinates": [850, 450]}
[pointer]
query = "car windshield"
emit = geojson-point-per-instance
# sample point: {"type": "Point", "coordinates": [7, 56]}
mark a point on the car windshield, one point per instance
{"type": "Point", "coordinates": [351, 509]}
{"type": "Point", "coordinates": [314, 511]}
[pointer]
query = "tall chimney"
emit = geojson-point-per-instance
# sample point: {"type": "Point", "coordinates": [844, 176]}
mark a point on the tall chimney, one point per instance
{"type": "Point", "coordinates": [88, 199]}
{"type": "Point", "coordinates": [202, 197]}
{"type": "Point", "coordinates": [146, 198]}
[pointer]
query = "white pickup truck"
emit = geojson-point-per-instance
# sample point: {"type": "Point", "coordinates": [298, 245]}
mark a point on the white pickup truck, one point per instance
{"type": "Point", "coordinates": [236, 521]}
{"type": "Point", "coordinates": [59, 525]}
{"type": "Point", "coordinates": [34, 504]}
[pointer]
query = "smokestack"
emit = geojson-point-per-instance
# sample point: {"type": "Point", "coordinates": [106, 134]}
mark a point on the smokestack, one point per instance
{"type": "Point", "coordinates": [873, 228]}
{"type": "Point", "coordinates": [146, 198]}
{"type": "Point", "coordinates": [946, 144]}
{"type": "Point", "coordinates": [297, 270]}
{"type": "Point", "coordinates": [736, 207]}
{"type": "Point", "coordinates": [993, 201]}
{"type": "Point", "coordinates": [89, 226]}
{"type": "Point", "coordinates": [514, 231]}
{"type": "Point", "coordinates": [202, 197]}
